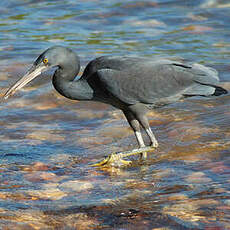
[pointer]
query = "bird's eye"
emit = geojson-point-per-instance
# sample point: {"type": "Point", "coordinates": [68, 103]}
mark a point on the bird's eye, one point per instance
{"type": "Point", "coordinates": [45, 61]}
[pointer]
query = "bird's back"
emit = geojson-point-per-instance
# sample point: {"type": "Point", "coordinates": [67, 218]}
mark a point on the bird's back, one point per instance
{"type": "Point", "coordinates": [150, 81]}
{"type": "Point", "coordinates": [114, 62]}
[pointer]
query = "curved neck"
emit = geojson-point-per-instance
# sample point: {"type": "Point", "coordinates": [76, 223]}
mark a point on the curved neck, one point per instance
{"type": "Point", "coordinates": [63, 81]}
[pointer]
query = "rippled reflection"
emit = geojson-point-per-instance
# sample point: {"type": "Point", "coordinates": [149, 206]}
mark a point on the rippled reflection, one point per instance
{"type": "Point", "coordinates": [48, 142]}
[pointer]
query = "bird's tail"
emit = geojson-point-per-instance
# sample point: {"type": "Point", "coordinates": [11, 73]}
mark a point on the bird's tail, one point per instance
{"type": "Point", "coordinates": [201, 89]}
{"type": "Point", "coordinates": [219, 91]}
{"type": "Point", "coordinates": [205, 83]}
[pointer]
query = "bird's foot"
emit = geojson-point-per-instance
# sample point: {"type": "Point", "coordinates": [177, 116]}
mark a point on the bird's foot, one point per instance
{"type": "Point", "coordinates": [143, 156]}
{"type": "Point", "coordinates": [116, 159]}
{"type": "Point", "coordinates": [113, 160]}
{"type": "Point", "coordinates": [154, 144]}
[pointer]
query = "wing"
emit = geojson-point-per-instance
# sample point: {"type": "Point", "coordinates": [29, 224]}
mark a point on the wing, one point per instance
{"type": "Point", "coordinates": [159, 81]}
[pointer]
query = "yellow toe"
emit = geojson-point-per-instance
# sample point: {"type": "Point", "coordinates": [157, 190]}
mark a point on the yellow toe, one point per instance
{"type": "Point", "coordinates": [114, 160]}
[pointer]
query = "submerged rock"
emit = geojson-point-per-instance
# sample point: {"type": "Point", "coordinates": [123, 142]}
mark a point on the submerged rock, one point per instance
{"type": "Point", "coordinates": [76, 186]}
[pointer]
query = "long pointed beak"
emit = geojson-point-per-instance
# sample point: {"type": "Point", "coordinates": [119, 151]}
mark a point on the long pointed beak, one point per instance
{"type": "Point", "coordinates": [29, 76]}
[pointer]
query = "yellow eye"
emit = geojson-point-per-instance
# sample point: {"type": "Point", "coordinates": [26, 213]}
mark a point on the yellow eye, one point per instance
{"type": "Point", "coordinates": [45, 61]}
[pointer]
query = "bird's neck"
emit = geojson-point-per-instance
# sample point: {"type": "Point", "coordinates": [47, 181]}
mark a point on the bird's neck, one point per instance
{"type": "Point", "coordinates": [68, 87]}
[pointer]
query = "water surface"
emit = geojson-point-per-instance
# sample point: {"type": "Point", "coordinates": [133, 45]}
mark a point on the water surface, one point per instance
{"type": "Point", "coordinates": [48, 142]}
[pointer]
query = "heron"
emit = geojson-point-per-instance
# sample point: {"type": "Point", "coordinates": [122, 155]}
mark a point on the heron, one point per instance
{"type": "Point", "coordinates": [134, 85]}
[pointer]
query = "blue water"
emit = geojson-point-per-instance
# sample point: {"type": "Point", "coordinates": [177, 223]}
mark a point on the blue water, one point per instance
{"type": "Point", "coordinates": [183, 185]}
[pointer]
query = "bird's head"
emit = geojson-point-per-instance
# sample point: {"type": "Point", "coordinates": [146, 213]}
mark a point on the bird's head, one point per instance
{"type": "Point", "coordinates": [56, 56]}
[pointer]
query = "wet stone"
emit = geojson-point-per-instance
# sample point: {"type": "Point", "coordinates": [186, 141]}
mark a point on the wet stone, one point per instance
{"type": "Point", "coordinates": [37, 166]}
{"type": "Point", "coordinates": [148, 23]}
{"type": "Point", "coordinates": [187, 212]}
{"type": "Point", "coordinates": [76, 186]}
{"type": "Point", "coordinates": [48, 141]}
{"type": "Point", "coordinates": [132, 184]}
{"type": "Point", "coordinates": [42, 176]}
{"type": "Point", "coordinates": [198, 177]}
{"type": "Point", "coordinates": [59, 158]}
{"type": "Point", "coordinates": [196, 17]}
{"type": "Point", "coordinates": [50, 193]}
{"type": "Point", "coordinates": [197, 29]}
{"type": "Point", "coordinates": [177, 197]}
{"type": "Point", "coordinates": [45, 106]}
{"type": "Point", "coordinates": [91, 142]}
{"type": "Point", "coordinates": [44, 135]}
{"type": "Point", "coordinates": [227, 202]}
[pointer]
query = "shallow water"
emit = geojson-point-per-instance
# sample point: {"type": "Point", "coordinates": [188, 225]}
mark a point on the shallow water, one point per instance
{"type": "Point", "coordinates": [49, 142]}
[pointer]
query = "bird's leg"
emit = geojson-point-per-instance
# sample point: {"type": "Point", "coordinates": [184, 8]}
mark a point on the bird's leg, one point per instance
{"type": "Point", "coordinates": [141, 143]}
{"type": "Point", "coordinates": [116, 159]}
{"type": "Point", "coordinates": [135, 125]}
{"type": "Point", "coordinates": [145, 124]}
{"type": "Point", "coordinates": [139, 139]}
{"type": "Point", "coordinates": [154, 142]}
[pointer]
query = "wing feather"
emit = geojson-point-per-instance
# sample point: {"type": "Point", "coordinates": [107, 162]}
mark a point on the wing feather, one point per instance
{"type": "Point", "coordinates": [158, 81]}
